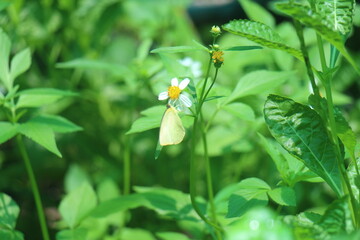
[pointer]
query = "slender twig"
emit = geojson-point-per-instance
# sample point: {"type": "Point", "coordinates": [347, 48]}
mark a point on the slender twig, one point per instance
{"type": "Point", "coordinates": [34, 187]}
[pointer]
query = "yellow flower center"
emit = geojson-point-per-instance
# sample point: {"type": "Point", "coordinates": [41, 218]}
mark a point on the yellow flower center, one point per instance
{"type": "Point", "coordinates": [217, 57]}
{"type": "Point", "coordinates": [174, 92]}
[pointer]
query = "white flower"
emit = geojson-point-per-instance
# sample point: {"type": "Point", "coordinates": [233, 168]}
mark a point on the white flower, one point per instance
{"type": "Point", "coordinates": [176, 98]}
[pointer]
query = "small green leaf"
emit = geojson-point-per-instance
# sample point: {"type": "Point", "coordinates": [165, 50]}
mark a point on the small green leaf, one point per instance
{"type": "Point", "coordinates": [283, 195]}
{"type": "Point", "coordinates": [251, 193]}
{"type": "Point", "coordinates": [72, 234]}
{"type": "Point", "coordinates": [157, 150]}
{"type": "Point", "coordinates": [212, 98]}
{"type": "Point", "coordinates": [242, 48]}
{"type": "Point", "coordinates": [9, 212]}
{"type": "Point", "coordinates": [133, 233]}
{"type": "Point", "coordinates": [56, 123]}
{"type": "Point", "coordinates": [20, 63]}
{"type": "Point", "coordinates": [5, 46]}
{"type": "Point", "coordinates": [7, 131]}
{"type": "Point", "coordinates": [171, 236]}
{"type": "Point", "coordinates": [10, 235]}
{"type": "Point", "coordinates": [345, 133]}
{"type": "Point", "coordinates": [261, 34]}
{"type": "Point", "coordinates": [257, 13]}
{"type": "Point", "coordinates": [300, 130]}
{"type": "Point", "coordinates": [176, 49]}
{"type": "Point", "coordinates": [74, 178]}
{"type": "Point", "coordinates": [41, 134]}
{"type": "Point", "coordinates": [77, 205]}
{"type": "Point", "coordinates": [151, 119]}
{"type": "Point", "coordinates": [257, 82]}
{"type": "Point", "coordinates": [40, 96]}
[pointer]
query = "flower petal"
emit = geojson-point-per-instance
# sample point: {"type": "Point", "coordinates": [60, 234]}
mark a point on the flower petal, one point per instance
{"type": "Point", "coordinates": [185, 100]}
{"type": "Point", "coordinates": [163, 96]}
{"type": "Point", "coordinates": [184, 83]}
{"type": "Point", "coordinates": [174, 82]}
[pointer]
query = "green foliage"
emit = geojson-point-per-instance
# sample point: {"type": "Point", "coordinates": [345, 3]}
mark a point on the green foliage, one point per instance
{"type": "Point", "coordinates": [261, 34]}
{"type": "Point", "coordinates": [284, 196]}
{"type": "Point", "coordinates": [72, 234]}
{"type": "Point", "coordinates": [295, 126]}
{"type": "Point", "coordinates": [9, 212]}
{"type": "Point", "coordinates": [77, 205]}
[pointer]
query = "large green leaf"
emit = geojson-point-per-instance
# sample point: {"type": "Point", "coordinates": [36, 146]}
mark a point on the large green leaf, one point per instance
{"type": "Point", "coordinates": [56, 123]}
{"type": "Point", "coordinates": [5, 46]}
{"type": "Point", "coordinates": [7, 131]}
{"type": "Point", "coordinates": [319, 23]}
{"type": "Point", "coordinates": [151, 119]}
{"type": "Point", "coordinates": [257, 82]}
{"type": "Point", "coordinates": [9, 212]}
{"type": "Point", "coordinates": [40, 96]}
{"type": "Point", "coordinates": [250, 193]}
{"type": "Point", "coordinates": [261, 34]}
{"type": "Point", "coordinates": [339, 13]}
{"type": "Point", "coordinates": [72, 234]}
{"type": "Point", "coordinates": [300, 130]}
{"type": "Point", "coordinates": [78, 204]}
{"type": "Point", "coordinates": [41, 134]}
{"type": "Point", "coordinates": [20, 63]}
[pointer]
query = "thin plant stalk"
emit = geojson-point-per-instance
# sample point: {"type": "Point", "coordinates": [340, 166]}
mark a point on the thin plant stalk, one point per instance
{"type": "Point", "coordinates": [34, 187]}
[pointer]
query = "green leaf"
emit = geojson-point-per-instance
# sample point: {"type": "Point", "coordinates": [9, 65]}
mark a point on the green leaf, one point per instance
{"type": "Point", "coordinates": [291, 169]}
{"type": "Point", "coordinates": [11, 235]}
{"type": "Point", "coordinates": [300, 130]}
{"type": "Point", "coordinates": [283, 195]}
{"type": "Point", "coordinates": [77, 205]}
{"type": "Point", "coordinates": [72, 234]}
{"type": "Point", "coordinates": [319, 23]}
{"type": "Point", "coordinates": [176, 49]}
{"type": "Point", "coordinates": [7, 131]}
{"type": "Point", "coordinates": [119, 204]}
{"type": "Point", "coordinates": [20, 63]}
{"type": "Point", "coordinates": [242, 48]}
{"type": "Point", "coordinates": [334, 219]}
{"type": "Point", "coordinates": [212, 98]}
{"type": "Point", "coordinates": [261, 34]}
{"type": "Point", "coordinates": [171, 236]}
{"type": "Point", "coordinates": [9, 212]}
{"type": "Point", "coordinates": [257, 13]}
{"type": "Point", "coordinates": [251, 193]}
{"type": "Point", "coordinates": [240, 110]}
{"type": "Point", "coordinates": [257, 82]}
{"type": "Point", "coordinates": [74, 178]}
{"type": "Point", "coordinates": [40, 96]}
{"type": "Point", "coordinates": [5, 46]}
{"type": "Point", "coordinates": [339, 13]}
{"type": "Point", "coordinates": [345, 133]}
{"type": "Point", "coordinates": [56, 123]}
{"type": "Point", "coordinates": [152, 118]}
{"type": "Point", "coordinates": [4, 5]}
{"type": "Point", "coordinates": [133, 233]}
{"type": "Point", "coordinates": [41, 134]}
{"type": "Point", "coordinates": [112, 68]}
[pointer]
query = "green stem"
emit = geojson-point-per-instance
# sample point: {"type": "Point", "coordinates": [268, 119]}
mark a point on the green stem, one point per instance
{"type": "Point", "coordinates": [127, 166]}
{"type": "Point", "coordinates": [34, 188]}
{"type": "Point", "coordinates": [300, 34]}
{"type": "Point", "coordinates": [204, 86]}
{"type": "Point", "coordinates": [209, 177]}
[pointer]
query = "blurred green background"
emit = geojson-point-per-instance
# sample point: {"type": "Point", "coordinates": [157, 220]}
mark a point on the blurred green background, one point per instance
{"type": "Point", "coordinates": [100, 50]}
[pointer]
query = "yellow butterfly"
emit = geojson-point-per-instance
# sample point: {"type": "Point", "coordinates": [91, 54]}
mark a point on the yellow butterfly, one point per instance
{"type": "Point", "coordinates": [171, 129]}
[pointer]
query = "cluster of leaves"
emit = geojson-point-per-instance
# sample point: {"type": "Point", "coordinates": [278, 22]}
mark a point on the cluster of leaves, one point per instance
{"type": "Point", "coordinates": [116, 78]}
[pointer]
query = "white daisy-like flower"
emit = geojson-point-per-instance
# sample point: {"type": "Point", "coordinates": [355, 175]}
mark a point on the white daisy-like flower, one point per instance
{"type": "Point", "coordinates": [194, 66]}
{"type": "Point", "coordinates": [176, 98]}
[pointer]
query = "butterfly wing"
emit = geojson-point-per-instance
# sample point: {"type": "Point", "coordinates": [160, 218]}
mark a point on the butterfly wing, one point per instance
{"type": "Point", "coordinates": [171, 129]}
